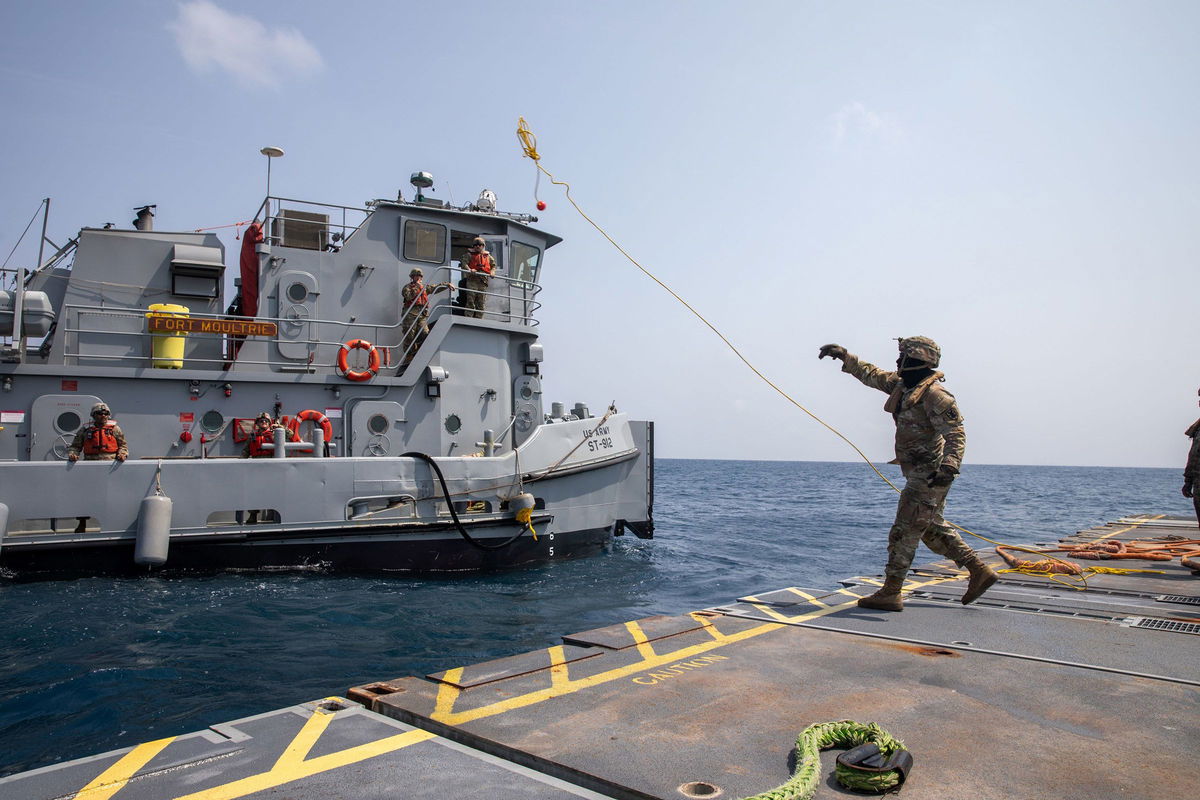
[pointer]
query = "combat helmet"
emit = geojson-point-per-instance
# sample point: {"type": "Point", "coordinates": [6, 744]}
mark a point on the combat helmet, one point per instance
{"type": "Point", "coordinates": [101, 407]}
{"type": "Point", "coordinates": [921, 347]}
{"type": "Point", "coordinates": [416, 271]}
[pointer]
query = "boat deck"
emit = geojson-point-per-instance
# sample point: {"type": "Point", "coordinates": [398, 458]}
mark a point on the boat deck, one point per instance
{"type": "Point", "coordinates": [1036, 690]}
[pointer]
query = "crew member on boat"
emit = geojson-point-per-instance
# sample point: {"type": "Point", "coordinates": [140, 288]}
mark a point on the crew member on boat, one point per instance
{"type": "Point", "coordinates": [264, 433]}
{"type": "Point", "coordinates": [102, 440]}
{"type": "Point", "coordinates": [930, 441]}
{"type": "Point", "coordinates": [415, 295]}
{"type": "Point", "coordinates": [477, 265]}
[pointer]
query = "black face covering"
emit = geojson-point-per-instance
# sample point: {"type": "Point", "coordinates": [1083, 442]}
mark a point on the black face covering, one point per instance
{"type": "Point", "coordinates": [912, 370]}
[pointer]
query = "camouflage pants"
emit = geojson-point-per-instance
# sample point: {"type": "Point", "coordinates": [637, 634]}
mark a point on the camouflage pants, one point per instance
{"type": "Point", "coordinates": [1196, 501]}
{"type": "Point", "coordinates": [919, 519]}
{"type": "Point", "coordinates": [472, 296]}
{"type": "Point", "coordinates": [416, 328]}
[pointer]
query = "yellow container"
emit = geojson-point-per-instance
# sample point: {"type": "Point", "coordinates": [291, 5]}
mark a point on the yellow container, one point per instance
{"type": "Point", "coordinates": [167, 348]}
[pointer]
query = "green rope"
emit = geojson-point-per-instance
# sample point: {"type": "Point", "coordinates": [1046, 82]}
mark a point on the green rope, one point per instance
{"type": "Point", "coordinates": [845, 733]}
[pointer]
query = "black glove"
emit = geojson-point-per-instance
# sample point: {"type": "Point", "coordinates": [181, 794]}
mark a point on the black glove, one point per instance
{"type": "Point", "coordinates": [943, 477]}
{"type": "Point", "coordinates": [1187, 490]}
{"type": "Point", "coordinates": [833, 351]}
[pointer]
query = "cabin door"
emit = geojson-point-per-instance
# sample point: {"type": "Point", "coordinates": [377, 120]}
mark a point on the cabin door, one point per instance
{"type": "Point", "coordinates": [296, 302]}
{"type": "Point", "coordinates": [376, 429]}
{"type": "Point", "coordinates": [54, 419]}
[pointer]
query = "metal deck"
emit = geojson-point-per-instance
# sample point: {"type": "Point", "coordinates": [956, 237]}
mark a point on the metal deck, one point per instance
{"type": "Point", "coordinates": [1037, 690]}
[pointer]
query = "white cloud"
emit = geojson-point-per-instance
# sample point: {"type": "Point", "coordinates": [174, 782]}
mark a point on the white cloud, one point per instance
{"type": "Point", "coordinates": [210, 37]}
{"type": "Point", "coordinates": [854, 120]}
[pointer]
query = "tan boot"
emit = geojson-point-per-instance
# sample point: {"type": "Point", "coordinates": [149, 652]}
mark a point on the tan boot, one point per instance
{"type": "Point", "coordinates": [982, 578]}
{"type": "Point", "coordinates": [887, 598]}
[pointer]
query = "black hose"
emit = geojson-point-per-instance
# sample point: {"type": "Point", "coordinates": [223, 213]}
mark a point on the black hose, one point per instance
{"type": "Point", "coordinates": [454, 514]}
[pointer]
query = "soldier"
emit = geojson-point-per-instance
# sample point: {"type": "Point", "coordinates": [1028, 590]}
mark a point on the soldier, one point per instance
{"type": "Point", "coordinates": [264, 433]}
{"type": "Point", "coordinates": [415, 295]}
{"type": "Point", "coordinates": [103, 440]}
{"type": "Point", "coordinates": [477, 265]}
{"type": "Point", "coordinates": [929, 448]}
{"type": "Point", "coordinates": [1191, 472]}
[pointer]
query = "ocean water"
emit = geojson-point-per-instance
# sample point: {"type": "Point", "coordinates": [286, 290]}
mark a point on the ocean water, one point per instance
{"type": "Point", "coordinates": [95, 664]}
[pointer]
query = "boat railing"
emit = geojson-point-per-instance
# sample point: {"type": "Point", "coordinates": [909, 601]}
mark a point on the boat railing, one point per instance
{"type": "Point", "coordinates": [120, 335]}
{"type": "Point", "coordinates": [320, 226]}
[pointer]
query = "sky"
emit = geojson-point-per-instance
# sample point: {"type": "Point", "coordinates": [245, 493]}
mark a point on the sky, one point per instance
{"type": "Point", "coordinates": [1019, 181]}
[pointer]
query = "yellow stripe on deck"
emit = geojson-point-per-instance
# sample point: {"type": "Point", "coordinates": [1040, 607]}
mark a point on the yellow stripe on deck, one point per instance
{"type": "Point", "coordinates": [113, 779]}
{"type": "Point", "coordinates": [562, 684]}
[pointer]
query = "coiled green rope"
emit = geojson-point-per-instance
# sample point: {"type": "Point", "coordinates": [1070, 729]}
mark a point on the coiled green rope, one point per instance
{"type": "Point", "coordinates": [844, 733]}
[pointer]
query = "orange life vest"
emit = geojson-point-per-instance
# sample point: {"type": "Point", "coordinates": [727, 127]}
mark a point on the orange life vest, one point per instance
{"type": "Point", "coordinates": [100, 441]}
{"type": "Point", "coordinates": [268, 437]}
{"type": "Point", "coordinates": [258, 440]}
{"type": "Point", "coordinates": [481, 262]}
{"type": "Point", "coordinates": [422, 298]}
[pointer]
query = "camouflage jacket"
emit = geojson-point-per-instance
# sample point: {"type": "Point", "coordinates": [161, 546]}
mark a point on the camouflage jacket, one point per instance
{"type": "Point", "coordinates": [1191, 472]}
{"type": "Point", "coordinates": [85, 431]}
{"type": "Point", "coordinates": [929, 428]}
{"type": "Point", "coordinates": [413, 293]}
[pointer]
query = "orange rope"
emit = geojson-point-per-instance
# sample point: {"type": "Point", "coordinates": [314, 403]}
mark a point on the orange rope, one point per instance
{"type": "Point", "coordinates": [1144, 549]}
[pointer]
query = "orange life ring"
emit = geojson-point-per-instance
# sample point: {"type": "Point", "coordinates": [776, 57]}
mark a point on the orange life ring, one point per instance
{"type": "Point", "coordinates": [317, 418]}
{"type": "Point", "coordinates": [372, 364]}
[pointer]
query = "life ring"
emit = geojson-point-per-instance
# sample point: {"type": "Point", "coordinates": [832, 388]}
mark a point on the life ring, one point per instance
{"type": "Point", "coordinates": [317, 418]}
{"type": "Point", "coordinates": [372, 364]}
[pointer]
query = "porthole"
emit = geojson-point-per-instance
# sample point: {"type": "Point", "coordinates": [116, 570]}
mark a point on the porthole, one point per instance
{"type": "Point", "coordinates": [67, 422]}
{"type": "Point", "coordinates": [378, 423]}
{"type": "Point", "coordinates": [526, 392]}
{"type": "Point", "coordinates": [453, 423]}
{"type": "Point", "coordinates": [297, 293]}
{"type": "Point", "coordinates": [212, 421]}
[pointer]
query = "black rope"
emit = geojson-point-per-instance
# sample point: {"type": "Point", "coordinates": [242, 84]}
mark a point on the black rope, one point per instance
{"type": "Point", "coordinates": [454, 514]}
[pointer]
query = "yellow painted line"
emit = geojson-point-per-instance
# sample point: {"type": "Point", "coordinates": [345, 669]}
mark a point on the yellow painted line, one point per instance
{"type": "Point", "coordinates": [568, 686]}
{"type": "Point", "coordinates": [113, 779]}
{"type": "Point", "coordinates": [558, 666]}
{"type": "Point", "coordinates": [643, 644]}
{"type": "Point", "coordinates": [1131, 527]}
{"type": "Point", "coordinates": [447, 694]}
{"type": "Point", "coordinates": [810, 598]}
{"type": "Point", "coordinates": [297, 751]}
{"type": "Point", "coordinates": [279, 775]}
{"type": "Point", "coordinates": [708, 625]}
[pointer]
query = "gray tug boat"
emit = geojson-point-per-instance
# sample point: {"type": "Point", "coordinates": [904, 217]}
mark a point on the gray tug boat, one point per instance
{"type": "Point", "coordinates": [412, 453]}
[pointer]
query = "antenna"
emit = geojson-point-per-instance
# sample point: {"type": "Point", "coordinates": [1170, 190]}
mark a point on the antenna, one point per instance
{"type": "Point", "coordinates": [270, 152]}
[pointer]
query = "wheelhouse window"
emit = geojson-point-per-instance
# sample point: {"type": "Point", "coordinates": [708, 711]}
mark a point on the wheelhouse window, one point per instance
{"type": "Point", "coordinates": [424, 241]}
{"type": "Point", "coordinates": [525, 262]}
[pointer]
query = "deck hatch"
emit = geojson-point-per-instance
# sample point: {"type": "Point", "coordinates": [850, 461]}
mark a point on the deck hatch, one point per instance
{"type": "Point", "coordinates": [1185, 599]}
{"type": "Point", "coordinates": [1165, 625]}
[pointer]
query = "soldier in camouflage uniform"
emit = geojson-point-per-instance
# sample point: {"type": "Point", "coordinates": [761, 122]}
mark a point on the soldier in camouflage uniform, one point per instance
{"type": "Point", "coordinates": [103, 440]}
{"type": "Point", "coordinates": [1191, 472]}
{"type": "Point", "coordinates": [929, 448]}
{"type": "Point", "coordinates": [415, 295]}
{"type": "Point", "coordinates": [477, 265]}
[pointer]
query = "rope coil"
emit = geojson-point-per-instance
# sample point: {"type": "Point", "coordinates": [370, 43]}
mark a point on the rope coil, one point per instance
{"type": "Point", "coordinates": [843, 733]}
